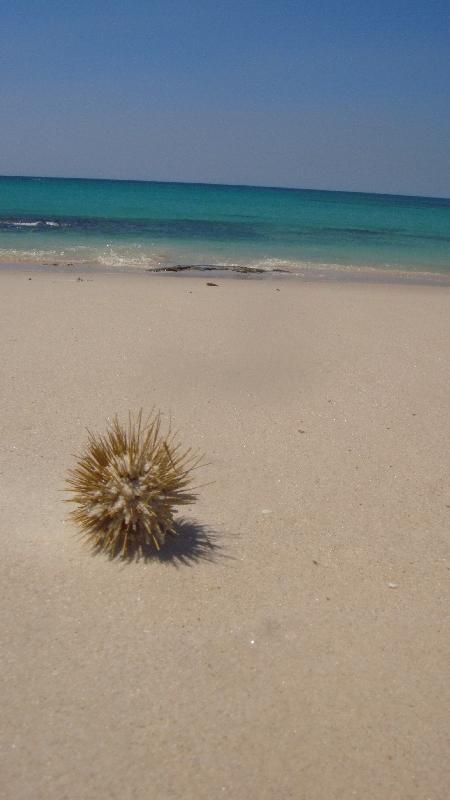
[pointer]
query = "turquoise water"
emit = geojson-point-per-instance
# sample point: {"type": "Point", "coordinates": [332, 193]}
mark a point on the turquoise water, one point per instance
{"type": "Point", "coordinates": [133, 224]}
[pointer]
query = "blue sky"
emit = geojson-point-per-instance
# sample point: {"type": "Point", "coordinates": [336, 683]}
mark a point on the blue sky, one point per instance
{"type": "Point", "coordinates": [326, 94]}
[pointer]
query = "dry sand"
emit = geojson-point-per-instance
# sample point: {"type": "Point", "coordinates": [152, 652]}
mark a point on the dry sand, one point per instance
{"type": "Point", "coordinates": [303, 653]}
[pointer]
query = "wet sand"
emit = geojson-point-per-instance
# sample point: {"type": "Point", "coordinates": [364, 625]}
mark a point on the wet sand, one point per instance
{"type": "Point", "coordinates": [292, 643]}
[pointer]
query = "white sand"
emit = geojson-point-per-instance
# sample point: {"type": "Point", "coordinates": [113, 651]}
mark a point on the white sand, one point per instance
{"type": "Point", "coordinates": [306, 654]}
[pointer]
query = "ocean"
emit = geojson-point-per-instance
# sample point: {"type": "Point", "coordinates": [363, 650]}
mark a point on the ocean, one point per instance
{"type": "Point", "coordinates": [131, 225]}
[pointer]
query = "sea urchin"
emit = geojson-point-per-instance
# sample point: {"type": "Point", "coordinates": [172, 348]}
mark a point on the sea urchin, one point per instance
{"type": "Point", "coordinates": [127, 484]}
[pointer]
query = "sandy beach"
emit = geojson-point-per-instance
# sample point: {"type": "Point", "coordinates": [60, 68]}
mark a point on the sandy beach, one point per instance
{"type": "Point", "coordinates": [293, 643]}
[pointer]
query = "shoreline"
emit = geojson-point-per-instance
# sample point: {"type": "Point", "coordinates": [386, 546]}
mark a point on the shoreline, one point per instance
{"type": "Point", "coordinates": [310, 274]}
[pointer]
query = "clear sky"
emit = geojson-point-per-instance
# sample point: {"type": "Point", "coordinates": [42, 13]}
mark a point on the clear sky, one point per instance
{"type": "Point", "coordinates": [332, 94]}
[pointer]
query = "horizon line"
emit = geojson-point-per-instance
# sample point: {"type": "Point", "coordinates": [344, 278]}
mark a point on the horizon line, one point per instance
{"type": "Point", "coordinates": [225, 185]}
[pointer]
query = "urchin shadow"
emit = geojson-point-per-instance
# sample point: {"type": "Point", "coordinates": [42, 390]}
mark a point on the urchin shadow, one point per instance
{"type": "Point", "coordinates": [189, 545]}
